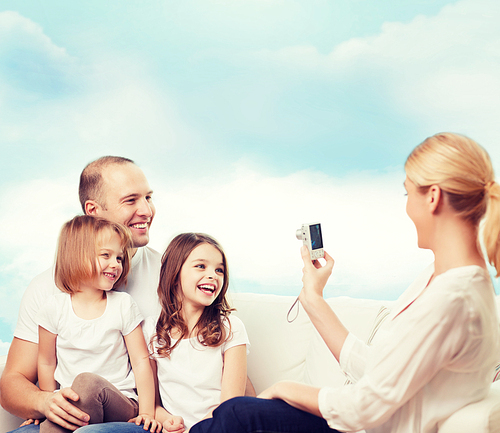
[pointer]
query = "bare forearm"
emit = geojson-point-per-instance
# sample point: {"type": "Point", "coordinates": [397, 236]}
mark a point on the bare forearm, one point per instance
{"type": "Point", "coordinates": [324, 319]}
{"type": "Point", "coordinates": [298, 395]}
{"type": "Point", "coordinates": [145, 387]}
{"type": "Point", "coordinates": [161, 414]}
{"type": "Point", "coordinates": [21, 397]}
{"type": "Point", "coordinates": [18, 392]}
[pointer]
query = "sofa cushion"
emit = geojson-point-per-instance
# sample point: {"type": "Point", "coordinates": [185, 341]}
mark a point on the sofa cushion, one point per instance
{"type": "Point", "coordinates": [277, 348]}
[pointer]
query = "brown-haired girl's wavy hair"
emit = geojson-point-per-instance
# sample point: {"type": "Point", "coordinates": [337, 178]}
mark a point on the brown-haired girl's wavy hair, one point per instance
{"type": "Point", "coordinates": [76, 258]}
{"type": "Point", "coordinates": [210, 330]}
{"type": "Point", "coordinates": [463, 171]}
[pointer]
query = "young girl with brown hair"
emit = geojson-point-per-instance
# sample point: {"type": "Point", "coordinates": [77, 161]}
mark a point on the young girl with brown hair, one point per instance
{"type": "Point", "coordinates": [90, 337]}
{"type": "Point", "coordinates": [198, 350]}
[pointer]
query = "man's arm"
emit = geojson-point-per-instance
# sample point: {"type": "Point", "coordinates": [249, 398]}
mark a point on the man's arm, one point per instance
{"type": "Point", "coordinates": [20, 396]}
{"type": "Point", "coordinates": [18, 392]}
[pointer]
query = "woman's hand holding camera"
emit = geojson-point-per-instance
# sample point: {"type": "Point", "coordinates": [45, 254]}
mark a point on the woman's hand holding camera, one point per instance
{"type": "Point", "coordinates": [315, 276]}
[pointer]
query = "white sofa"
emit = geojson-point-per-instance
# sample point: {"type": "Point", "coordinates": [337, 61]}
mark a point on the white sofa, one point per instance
{"type": "Point", "coordinates": [281, 350]}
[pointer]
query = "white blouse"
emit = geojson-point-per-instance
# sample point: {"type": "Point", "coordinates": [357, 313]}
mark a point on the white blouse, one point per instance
{"type": "Point", "coordinates": [435, 353]}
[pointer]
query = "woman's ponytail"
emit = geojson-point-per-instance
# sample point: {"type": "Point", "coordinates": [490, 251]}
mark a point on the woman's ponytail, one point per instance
{"type": "Point", "coordinates": [491, 228]}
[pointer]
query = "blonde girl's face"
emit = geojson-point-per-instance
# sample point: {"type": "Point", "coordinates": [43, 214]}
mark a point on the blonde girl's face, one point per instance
{"type": "Point", "coordinates": [109, 260]}
{"type": "Point", "coordinates": [202, 276]}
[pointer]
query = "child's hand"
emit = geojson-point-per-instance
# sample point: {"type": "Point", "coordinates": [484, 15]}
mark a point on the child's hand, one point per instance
{"type": "Point", "coordinates": [30, 421]}
{"type": "Point", "coordinates": [175, 424]}
{"type": "Point", "coordinates": [149, 422]}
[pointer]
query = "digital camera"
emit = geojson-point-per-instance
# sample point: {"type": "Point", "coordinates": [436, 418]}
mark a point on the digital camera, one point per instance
{"type": "Point", "coordinates": [310, 235]}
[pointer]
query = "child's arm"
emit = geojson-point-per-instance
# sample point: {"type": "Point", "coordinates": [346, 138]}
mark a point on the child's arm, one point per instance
{"type": "Point", "coordinates": [47, 359]}
{"type": "Point", "coordinates": [139, 360]}
{"type": "Point", "coordinates": [171, 423]}
{"type": "Point", "coordinates": [234, 375]}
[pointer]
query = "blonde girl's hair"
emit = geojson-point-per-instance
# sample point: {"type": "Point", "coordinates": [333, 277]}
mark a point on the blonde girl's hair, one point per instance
{"type": "Point", "coordinates": [210, 330]}
{"type": "Point", "coordinates": [463, 171]}
{"type": "Point", "coordinates": [76, 258]}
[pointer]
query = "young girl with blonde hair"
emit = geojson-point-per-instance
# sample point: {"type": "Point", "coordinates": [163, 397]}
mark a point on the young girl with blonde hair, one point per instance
{"type": "Point", "coordinates": [198, 350]}
{"type": "Point", "coordinates": [437, 350]}
{"type": "Point", "coordinates": [90, 337]}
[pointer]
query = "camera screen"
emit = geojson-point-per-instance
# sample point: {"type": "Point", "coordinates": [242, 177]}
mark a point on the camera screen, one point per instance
{"type": "Point", "coordinates": [316, 239]}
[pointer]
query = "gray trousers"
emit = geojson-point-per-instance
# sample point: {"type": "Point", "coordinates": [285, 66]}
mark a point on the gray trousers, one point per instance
{"type": "Point", "coordinates": [101, 400]}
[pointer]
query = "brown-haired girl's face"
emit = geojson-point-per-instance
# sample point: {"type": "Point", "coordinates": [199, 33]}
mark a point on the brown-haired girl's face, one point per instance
{"type": "Point", "coordinates": [201, 277]}
{"type": "Point", "coordinates": [109, 256]}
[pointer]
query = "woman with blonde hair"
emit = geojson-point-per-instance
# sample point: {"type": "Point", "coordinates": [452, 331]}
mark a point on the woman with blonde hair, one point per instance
{"type": "Point", "coordinates": [436, 351]}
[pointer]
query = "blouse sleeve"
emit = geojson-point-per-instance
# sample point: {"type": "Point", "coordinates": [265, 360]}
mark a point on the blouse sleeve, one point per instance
{"type": "Point", "coordinates": [353, 357]}
{"type": "Point", "coordinates": [417, 345]}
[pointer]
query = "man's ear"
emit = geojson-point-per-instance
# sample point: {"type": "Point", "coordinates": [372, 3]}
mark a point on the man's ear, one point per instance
{"type": "Point", "coordinates": [435, 197]}
{"type": "Point", "coordinates": [92, 208]}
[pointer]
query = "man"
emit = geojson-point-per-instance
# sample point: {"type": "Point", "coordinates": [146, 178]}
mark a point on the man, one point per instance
{"type": "Point", "coordinates": [116, 189]}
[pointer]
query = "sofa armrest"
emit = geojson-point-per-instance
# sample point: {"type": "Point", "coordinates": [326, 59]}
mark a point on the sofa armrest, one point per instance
{"type": "Point", "coordinates": [480, 417]}
{"type": "Point", "coordinates": [8, 421]}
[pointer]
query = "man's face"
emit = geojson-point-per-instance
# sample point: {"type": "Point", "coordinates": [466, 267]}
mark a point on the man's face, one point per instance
{"type": "Point", "coordinates": [127, 200]}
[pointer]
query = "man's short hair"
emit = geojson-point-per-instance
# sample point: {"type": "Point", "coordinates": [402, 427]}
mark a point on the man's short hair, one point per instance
{"type": "Point", "coordinates": [91, 179]}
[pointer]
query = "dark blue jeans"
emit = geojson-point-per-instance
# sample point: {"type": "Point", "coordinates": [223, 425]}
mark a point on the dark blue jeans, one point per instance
{"type": "Point", "coordinates": [255, 415]}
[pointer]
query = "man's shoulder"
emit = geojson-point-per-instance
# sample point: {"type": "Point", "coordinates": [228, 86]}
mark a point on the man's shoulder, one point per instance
{"type": "Point", "coordinates": [41, 288]}
{"type": "Point", "coordinates": [146, 255]}
{"type": "Point", "coordinates": [151, 253]}
{"type": "Point", "coordinates": [43, 284]}
{"type": "Point", "coordinates": [146, 261]}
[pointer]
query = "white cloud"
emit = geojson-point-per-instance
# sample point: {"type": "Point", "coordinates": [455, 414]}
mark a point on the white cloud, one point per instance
{"type": "Point", "coordinates": [106, 102]}
{"type": "Point", "coordinates": [30, 233]}
{"type": "Point", "coordinates": [17, 31]}
{"type": "Point", "coordinates": [32, 66]}
{"type": "Point", "coordinates": [255, 216]}
{"type": "Point", "coordinates": [442, 71]}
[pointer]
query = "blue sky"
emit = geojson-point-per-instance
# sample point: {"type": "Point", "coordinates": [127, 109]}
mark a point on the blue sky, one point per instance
{"type": "Point", "coordinates": [248, 117]}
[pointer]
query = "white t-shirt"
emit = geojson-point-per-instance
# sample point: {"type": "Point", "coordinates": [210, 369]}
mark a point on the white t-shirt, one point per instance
{"type": "Point", "coordinates": [435, 353]}
{"type": "Point", "coordinates": [142, 285]}
{"type": "Point", "coordinates": [190, 380]}
{"type": "Point", "coordinates": [94, 346]}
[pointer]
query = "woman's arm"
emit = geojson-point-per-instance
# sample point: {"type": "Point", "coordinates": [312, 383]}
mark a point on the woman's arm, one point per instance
{"type": "Point", "coordinates": [327, 323]}
{"type": "Point", "coordinates": [139, 360]}
{"type": "Point", "coordinates": [298, 395]}
{"type": "Point", "coordinates": [47, 359]}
